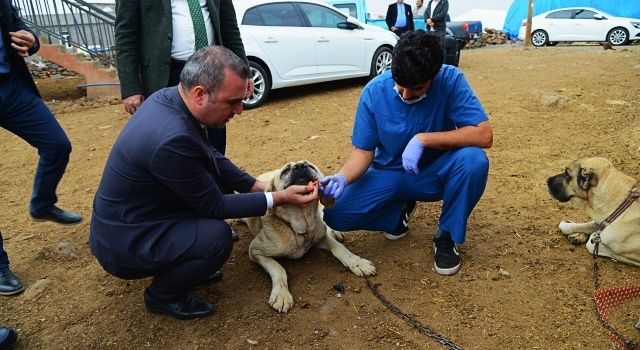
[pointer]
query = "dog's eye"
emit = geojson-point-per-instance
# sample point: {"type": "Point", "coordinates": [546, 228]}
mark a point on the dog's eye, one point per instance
{"type": "Point", "coordinates": [286, 169]}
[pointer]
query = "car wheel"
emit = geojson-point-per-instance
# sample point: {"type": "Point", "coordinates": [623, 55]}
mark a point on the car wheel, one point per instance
{"type": "Point", "coordinates": [618, 36]}
{"type": "Point", "coordinates": [381, 61]}
{"type": "Point", "coordinates": [539, 38]}
{"type": "Point", "coordinates": [261, 86]}
{"type": "Point", "coordinates": [552, 43]}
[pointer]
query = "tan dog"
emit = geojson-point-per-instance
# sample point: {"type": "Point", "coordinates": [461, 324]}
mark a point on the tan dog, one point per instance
{"type": "Point", "coordinates": [289, 231]}
{"type": "Point", "coordinates": [596, 185]}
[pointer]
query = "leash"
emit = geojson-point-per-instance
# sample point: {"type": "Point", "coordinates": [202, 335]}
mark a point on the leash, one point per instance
{"type": "Point", "coordinates": [425, 330]}
{"type": "Point", "coordinates": [627, 343]}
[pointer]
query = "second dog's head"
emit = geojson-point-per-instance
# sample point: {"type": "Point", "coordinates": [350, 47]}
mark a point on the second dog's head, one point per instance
{"type": "Point", "coordinates": [294, 173]}
{"type": "Point", "coordinates": [578, 179]}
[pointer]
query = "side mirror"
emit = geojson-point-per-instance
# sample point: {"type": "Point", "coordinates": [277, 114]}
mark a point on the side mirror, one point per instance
{"type": "Point", "coordinates": [347, 25]}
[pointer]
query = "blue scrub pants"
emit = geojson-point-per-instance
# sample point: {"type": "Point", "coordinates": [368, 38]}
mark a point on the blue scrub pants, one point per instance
{"type": "Point", "coordinates": [374, 201]}
{"type": "Point", "coordinates": [23, 113]}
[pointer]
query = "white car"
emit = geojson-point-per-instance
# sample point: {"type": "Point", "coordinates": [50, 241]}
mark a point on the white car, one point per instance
{"type": "Point", "coordinates": [299, 42]}
{"type": "Point", "coordinates": [580, 24]}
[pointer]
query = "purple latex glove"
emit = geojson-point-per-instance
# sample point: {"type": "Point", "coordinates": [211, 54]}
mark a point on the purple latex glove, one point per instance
{"type": "Point", "coordinates": [333, 186]}
{"type": "Point", "coordinates": [411, 156]}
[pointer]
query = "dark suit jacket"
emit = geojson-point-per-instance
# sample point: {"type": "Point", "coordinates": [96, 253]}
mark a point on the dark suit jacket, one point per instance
{"type": "Point", "coordinates": [439, 14]}
{"type": "Point", "coordinates": [161, 171]}
{"type": "Point", "coordinates": [144, 33]}
{"type": "Point", "coordinates": [10, 21]}
{"type": "Point", "coordinates": [392, 15]}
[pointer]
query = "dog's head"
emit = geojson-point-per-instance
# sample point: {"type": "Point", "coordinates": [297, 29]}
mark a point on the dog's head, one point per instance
{"type": "Point", "coordinates": [579, 179]}
{"type": "Point", "coordinates": [294, 173]}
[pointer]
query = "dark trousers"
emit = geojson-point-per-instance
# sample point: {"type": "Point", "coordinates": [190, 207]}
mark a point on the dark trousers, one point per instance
{"type": "Point", "coordinates": [4, 259]}
{"type": "Point", "coordinates": [23, 113]}
{"type": "Point", "coordinates": [400, 31]}
{"type": "Point", "coordinates": [210, 250]}
{"type": "Point", "coordinates": [217, 136]}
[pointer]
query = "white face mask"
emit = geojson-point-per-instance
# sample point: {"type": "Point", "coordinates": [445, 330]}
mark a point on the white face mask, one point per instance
{"type": "Point", "coordinates": [413, 100]}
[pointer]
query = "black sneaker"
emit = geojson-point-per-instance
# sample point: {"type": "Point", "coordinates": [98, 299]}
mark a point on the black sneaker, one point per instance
{"type": "Point", "coordinates": [446, 256]}
{"type": "Point", "coordinates": [403, 225]}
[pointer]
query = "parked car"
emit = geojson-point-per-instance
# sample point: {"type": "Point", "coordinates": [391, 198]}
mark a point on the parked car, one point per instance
{"type": "Point", "coordinates": [580, 24]}
{"type": "Point", "coordinates": [297, 42]}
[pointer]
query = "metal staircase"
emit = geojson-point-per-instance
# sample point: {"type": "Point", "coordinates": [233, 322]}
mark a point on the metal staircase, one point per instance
{"type": "Point", "coordinates": [79, 26]}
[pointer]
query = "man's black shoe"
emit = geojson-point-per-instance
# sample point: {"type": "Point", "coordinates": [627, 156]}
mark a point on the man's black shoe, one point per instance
{"type": "Point", "coordinates": [185, 308]}
{"type": "Point", "coordinates": [213, 278]}
{"type": "Point", "coordinates": [9, 283]}
{"type": "Point", "coordinates": [446, 256]}
{"type": "Point", "coordinates": [8, 337]}
{"type": "Point", "coordinates": [403, 225]}
{"type": "Point", "coordinates": [57, 215]}
{"type": "Point", "coordinates": [234, 235]}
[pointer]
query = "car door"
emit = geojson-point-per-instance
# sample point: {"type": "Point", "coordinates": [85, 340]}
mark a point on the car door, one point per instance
{"type": "Point", "coordinates": [281, 32]}
{"type": "Point", "coordinates": [587, 27]}
{"type": "Point", "coordinates": [339, 52]}
{"type": "Point", "coordinates": [558, 25]}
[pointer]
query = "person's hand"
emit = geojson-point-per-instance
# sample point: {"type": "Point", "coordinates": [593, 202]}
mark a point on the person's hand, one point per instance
{"type": "Point", "coordinates": [411, 156]}
{"type": "Point", "coordinates": [429, 22]}
{"type": "Point", "coordinates": [132, 103]}
{"type": "Point", "coordinates": [22, 41]}
{"type": "Point", "coordinates": [393, 29]}
{"type": "Point", "coordinates": [297, 194]}
{"type": "Point", "coordinates": [333, 186]}
{"type": "Point", "coordinates": [258, 186]}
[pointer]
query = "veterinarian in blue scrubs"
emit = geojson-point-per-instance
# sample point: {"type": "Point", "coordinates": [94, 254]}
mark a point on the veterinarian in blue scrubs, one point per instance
{"type": "Point", "coordinates": [159, 210]}
{"type": "Point", "coordinates": [418, 135]}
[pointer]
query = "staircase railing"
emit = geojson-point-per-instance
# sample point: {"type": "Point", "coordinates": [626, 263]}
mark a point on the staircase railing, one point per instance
{"type": "Point", "coordinates": [73, 23]}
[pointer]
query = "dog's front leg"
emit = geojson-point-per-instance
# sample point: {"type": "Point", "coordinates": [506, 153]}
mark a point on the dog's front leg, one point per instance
{"type": "Point", "coordinates": [280, 298]}
{"type": "Point", "coordinates": [357, 265]}
{"type": "Point", "coordinates": [577, 232]}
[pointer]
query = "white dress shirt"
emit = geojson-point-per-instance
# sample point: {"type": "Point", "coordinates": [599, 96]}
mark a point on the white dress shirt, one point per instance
{"type": "Point", "coordinates": [184, 41]}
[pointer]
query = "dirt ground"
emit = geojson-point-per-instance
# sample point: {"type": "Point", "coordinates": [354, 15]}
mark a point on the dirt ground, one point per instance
{"type": "Point", "coordinates": [548, 107]}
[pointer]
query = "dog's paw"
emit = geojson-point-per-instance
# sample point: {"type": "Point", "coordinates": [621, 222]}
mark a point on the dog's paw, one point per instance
{"type": "Point", "coordinates": [337, 235]}
{"type": "Point", "coordinates": [577, 238]}
{"type": "Point", "coordinates": [362, 267]}
{"type": "Point", "coordinates": [566, 227]}
{"type": "Point", "coordinates": [280, 299]}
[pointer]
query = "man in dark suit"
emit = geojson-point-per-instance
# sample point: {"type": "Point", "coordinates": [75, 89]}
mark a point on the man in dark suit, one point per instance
{"type": "Point", "coordinates": [155, 38]}
{"type": "Point", "coordinates": [159, 210]}
{"type": "Point", "coordinates": [399, 18]}
{"type": "Point", "coordinates": [435, 18]}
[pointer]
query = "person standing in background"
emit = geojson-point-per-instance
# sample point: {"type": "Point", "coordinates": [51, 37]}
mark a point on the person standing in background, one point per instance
{"type": "Point", "coordinates": [419, 9]}
{"type": "Point", "coordinates": [399, 18]}
{"type": "Point", "coordinates": [435, 18]}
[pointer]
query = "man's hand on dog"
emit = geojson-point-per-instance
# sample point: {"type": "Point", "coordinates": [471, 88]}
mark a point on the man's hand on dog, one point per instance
{"type": "Point", "coordinates": [297, 194]}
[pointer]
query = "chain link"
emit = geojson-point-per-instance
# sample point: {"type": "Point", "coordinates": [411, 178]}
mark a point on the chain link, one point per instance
{"type": "Point", "coordinates": [425, 330]}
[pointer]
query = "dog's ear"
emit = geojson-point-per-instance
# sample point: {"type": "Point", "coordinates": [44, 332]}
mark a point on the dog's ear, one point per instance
{"type": "Point", "coordinates": [587, 178]}
{"type": "Point", "coordinates": [271, 184]}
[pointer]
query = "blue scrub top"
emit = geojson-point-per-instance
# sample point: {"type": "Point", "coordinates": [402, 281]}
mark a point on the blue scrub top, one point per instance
{"type": "Point", "coordinates": [385, 124]}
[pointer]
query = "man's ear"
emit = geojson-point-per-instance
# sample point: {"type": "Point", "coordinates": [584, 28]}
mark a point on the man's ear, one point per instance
{"type": "Point", "coordinates": [199, 94]}
{"type": "Point", "coordinates": [587, 178]}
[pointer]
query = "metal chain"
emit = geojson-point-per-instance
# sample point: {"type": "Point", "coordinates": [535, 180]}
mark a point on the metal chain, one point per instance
{"type": "Point", "coordinates": [425, 330]}
{"type": "Point", "coordinates": [629, 344]}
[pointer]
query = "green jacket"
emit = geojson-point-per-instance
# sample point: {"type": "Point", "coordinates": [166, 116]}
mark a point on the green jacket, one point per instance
{"type": "Point", "coordinates": [144, 33]}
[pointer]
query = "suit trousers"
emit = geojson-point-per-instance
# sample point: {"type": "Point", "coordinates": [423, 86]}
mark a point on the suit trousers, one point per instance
{"type": "Point", "coordinates": [4, 258]}
{"type": "Point", "coordinates": [23, 113]}
{"type": "Point", "coordinates": [374, 202]}
{"type": "Point", "coordinates": [217, 136]}
{"type": "Point", "coordinates": [210, 250]}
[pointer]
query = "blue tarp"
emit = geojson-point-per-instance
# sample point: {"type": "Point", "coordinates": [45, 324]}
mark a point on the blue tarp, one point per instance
{"type": "Point", "coordinates": [518, 10]}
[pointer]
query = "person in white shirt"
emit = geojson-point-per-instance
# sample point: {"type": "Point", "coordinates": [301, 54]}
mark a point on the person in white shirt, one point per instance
{"type": "Point", "coordinates": [418, 10]}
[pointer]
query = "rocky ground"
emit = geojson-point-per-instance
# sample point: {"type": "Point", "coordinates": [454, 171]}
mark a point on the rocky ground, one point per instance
{"type": "Point", "coordinates": [521, 286]}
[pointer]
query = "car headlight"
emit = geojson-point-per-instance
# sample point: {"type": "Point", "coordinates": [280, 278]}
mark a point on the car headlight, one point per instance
{"type": "Point", "coordinates": [636, 24]}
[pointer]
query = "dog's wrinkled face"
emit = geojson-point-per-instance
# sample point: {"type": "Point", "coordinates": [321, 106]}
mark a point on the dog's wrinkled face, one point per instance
{"type": "Point", "coordinates": [578, 178]}
{"type": "Point", "coordinates": [296, 173]}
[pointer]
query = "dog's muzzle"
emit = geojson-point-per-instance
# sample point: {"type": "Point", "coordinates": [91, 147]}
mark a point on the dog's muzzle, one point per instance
{"type": "Point", "coordinates": [557, 189]}
{"type": "Point", "coordinates": [300, 174]}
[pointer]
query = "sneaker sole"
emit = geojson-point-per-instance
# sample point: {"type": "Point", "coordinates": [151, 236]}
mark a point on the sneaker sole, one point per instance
{"type": "Point", "coordinates": [394, 237]}
{"type": "Point", "coordinates": [446, 272]}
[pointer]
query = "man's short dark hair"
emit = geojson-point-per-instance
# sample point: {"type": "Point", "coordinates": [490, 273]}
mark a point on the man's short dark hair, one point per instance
{"type": "Point", "coordinates": [417, 58]}
{"type": "Point", "coordinates": [206, 68]}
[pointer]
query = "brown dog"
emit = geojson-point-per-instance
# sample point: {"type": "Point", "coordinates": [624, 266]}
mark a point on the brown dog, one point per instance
{"type": "Point", "coordinates": [289, 231]}
{"type": "Point", "coordinates": [597, 186]}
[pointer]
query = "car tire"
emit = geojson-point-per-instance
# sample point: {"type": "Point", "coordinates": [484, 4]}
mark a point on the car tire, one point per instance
{"type": "Point", "coordinates": [618, 36]}
{"type": "Point", "coordinates": [539, 38]}
{"type": "Point", "coordinates": [261, 86]}
{"type": "Point", "coordinates": [380, 62]}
